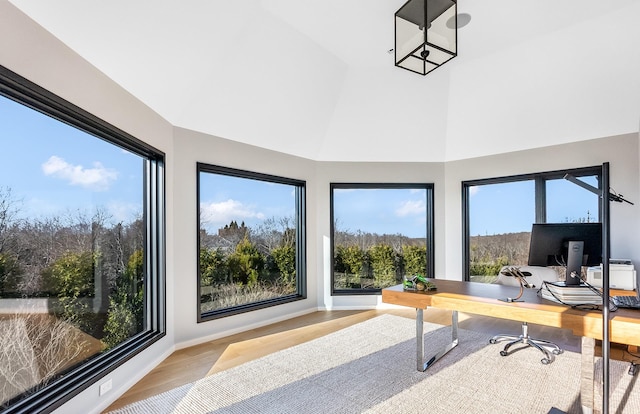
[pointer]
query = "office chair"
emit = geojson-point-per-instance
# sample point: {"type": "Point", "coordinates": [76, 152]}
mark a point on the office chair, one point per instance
{"type": "Point", "coordinates": [526, 277]}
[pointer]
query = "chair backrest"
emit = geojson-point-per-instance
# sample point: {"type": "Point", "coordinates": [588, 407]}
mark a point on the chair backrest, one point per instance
{"type": "Point", "coordinates": [539, 274]}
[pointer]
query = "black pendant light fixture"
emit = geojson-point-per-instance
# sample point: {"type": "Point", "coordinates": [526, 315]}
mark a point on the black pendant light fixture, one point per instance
{"type": "Point", "coordinates": [426, 34]}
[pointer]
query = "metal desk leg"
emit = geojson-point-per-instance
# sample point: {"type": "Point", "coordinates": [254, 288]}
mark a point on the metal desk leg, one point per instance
{"type": "Point", "coordinates": [421, 364]}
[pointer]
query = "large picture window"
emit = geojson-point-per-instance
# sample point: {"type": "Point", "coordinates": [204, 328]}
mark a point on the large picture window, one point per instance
{"type": "Point", "coordinates": [81, 247]}
{"type": "Point", "coordinates": [499, 213]}
{"type": "Point", "coordinates": [251, 241]}
{"type": "Point", "coordinates": [380, 233]}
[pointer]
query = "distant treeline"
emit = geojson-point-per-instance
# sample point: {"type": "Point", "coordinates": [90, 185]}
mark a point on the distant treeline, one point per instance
{"type": "Point", "coordinates": [370, 260]}
{"type": "Point", "coordinates": [489, 253]}
{"type": "Point", "coordinates": [91, 269]}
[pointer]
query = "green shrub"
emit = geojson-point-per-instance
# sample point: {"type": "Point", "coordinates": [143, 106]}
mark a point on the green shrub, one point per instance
{"type": "Point", "coordinates": [10, 274]}
{"type": "Point", "coordinates": [246, 263]}
{"type": "Point", "coordinates": [383, 264]}
{"type": "Point", "coordinates": [213, 268]}
{"type": "Point", "coordinates": [71, 280]}
{"type": "Point", "coordinates": [121, 322]}
{"type": "Point", "coordinates": [284, 260]}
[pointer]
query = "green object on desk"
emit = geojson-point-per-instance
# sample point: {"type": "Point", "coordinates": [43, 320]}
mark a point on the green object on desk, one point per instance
{"type": "Point", "coordinates": [418, 282]}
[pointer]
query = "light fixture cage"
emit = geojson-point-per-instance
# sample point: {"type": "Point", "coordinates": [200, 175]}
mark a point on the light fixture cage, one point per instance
{"type": "Point", "coordinates": [426, 34]}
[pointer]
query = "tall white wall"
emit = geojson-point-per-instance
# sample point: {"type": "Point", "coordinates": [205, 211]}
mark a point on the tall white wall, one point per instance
{"type": "Point", "coordinates": [192, 147]}
{"type": "Point", "coordinates": [30, 51]}
{"type": "Point", "coordinates": [365, 172]}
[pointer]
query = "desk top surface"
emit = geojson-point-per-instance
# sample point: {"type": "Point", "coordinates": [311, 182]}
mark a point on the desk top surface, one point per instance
{"type": "Point", "coordinates": [484, 299]}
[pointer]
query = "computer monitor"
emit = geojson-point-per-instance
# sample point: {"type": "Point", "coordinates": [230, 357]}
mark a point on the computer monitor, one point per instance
{"type": "Point", "coordinates": [566, 244]}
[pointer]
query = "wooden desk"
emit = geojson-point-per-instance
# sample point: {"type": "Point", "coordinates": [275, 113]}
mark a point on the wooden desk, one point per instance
{"type": "Point", "coordinates": [484, 299]}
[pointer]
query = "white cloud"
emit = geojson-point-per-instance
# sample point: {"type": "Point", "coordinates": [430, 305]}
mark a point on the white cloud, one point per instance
{"type": "Point", "coordinates": [97, 178]}
{"type": "Point", "coordinates": [225, 211]}
{"type": "Point", "coordinates": [411, 208]}
{"type": "Point", "coordinates": [474, 190]}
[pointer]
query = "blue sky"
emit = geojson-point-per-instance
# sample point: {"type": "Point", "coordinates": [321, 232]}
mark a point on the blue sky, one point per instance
{"type": "Point", "coordinates": [382, 211]}
{"type": "Point", "coordinates": [510, 207]}
{"type": "Point", "coordinates": [225, 198]}
{"type": "Point", "coordinates": [53, 169]}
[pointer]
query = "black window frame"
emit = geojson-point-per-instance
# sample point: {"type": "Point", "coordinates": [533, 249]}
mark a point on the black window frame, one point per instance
{"type": "Point", "coordinates": [540, 180]}
{"type": "Point", "coordinates": [430, 231]}
{"type": "Point", "coordinates": [301, 246]}
{"type": "Point", "coordinates": [54, 395]}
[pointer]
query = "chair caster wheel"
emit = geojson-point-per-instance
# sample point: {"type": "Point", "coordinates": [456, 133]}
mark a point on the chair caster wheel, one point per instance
{"type": "Point", "coordinates": [545, 361]}
{"type": "Point", "coordinates": [557, 351]}
{"type": "Point", "coordinates": [493, 341]}
{"type": "Point", "coordinates": [504, 353]}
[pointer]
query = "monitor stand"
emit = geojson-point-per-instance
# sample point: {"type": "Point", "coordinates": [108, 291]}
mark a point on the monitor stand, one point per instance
{"type": "Point", "coordinates": [574, 263]}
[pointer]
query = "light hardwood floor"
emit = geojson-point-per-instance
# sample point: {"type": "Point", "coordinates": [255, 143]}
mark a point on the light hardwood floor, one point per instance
{"type": "Point", "coordinates": [196, 362]}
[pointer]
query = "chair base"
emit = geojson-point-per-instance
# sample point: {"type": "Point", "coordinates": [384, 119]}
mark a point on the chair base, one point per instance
{"type": "Point", "coordinates": [548, 349]}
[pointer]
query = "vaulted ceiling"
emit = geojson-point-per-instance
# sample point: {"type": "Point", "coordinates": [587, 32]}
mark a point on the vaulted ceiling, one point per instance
{"type": "Point", "coordinates": [314, 78]}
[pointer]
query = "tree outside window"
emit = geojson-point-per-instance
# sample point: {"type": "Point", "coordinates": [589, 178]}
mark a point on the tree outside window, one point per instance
{"type": "Point", "coordinates": [499, 213]}
{"type": "Point", "coordinates": [380, 232]}
{"type": "Point", "coordinates": [251, 241]}
{"type": "Point", "coordinates": [75, 266]}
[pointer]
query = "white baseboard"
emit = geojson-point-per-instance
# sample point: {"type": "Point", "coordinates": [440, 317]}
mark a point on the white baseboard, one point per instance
{"type": "Point", "coordinates": [243, 328]}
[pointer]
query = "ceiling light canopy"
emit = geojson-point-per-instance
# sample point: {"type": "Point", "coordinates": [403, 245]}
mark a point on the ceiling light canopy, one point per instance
{"type": "Point", "coordinates": [426, 34]}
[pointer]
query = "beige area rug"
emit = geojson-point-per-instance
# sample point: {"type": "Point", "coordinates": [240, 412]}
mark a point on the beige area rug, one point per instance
{"type": "Point", "coordinates": [370, 368]}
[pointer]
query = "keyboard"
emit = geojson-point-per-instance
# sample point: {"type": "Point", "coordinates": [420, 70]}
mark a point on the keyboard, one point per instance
{"type": "Point", "coordinates": [632, 302]}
